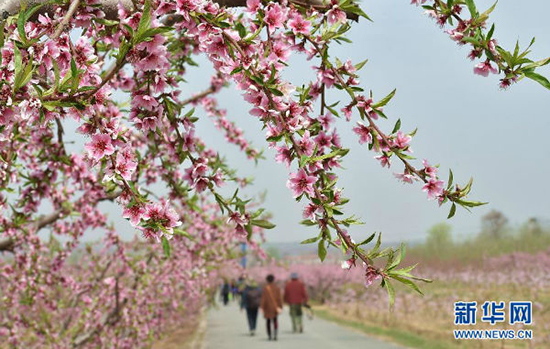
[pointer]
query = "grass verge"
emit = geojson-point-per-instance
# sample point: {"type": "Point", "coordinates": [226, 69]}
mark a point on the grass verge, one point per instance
{"type": "Point", "coordinates": [393, 335]}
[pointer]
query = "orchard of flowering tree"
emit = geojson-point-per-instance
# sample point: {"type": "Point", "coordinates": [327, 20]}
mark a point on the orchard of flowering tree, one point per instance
{"type": "Point", "coordinates": [118, 70]}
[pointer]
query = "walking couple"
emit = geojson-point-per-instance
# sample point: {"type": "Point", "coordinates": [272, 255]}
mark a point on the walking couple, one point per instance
{"type": "Point", "coordinates": [270, 300]}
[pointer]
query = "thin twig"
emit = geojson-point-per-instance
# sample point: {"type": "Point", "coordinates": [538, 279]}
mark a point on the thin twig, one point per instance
{"type": "Point", "coordinates": [7, 244]}
{"type": "Point", "coordinates": [107, 319]}
{"type": "Point", "coordinates": [198, 96]}
{"type": "Point", "coordinates": [66, 19]}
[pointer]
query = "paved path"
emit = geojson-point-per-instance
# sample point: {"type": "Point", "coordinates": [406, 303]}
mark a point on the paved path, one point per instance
{"type": "Point", "coordinates": [227, 329]}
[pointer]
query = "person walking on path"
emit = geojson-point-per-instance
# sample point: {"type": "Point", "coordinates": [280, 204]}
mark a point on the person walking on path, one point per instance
{"type": "Point", "coordinates": [226, 289]}
{"type": "Point", "coordinates": [251, 298]}
{"type": "Point", "coordinates": [272, 305]}
{"type": "Point", "coordinates": [295, 297]}
{"type": "Point", "coordinates": [241, 284]}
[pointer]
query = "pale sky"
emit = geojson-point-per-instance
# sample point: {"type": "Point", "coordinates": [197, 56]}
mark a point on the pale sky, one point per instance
{"type": "Point", "coordinates": [465, 122]}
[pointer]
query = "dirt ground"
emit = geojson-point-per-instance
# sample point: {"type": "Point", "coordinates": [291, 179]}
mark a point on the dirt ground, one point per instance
{"type": "Point", "coordinates": [187, 336]}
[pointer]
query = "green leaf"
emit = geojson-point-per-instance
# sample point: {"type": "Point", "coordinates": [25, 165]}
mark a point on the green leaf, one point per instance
{"type": "Point", "coordinates": [56, 74]}
{"type": "Point", "coordinates": [391, 292]}
{"type": "Point", "coordinates": [378, 242]}
{"type": "Point", "coordinates": [310, 240]}
{"type": "Point", "coordinates": [397, 126]}
{"type": "Point", "coordinates": [22, 74]}
{"type": "Point", "coordinates": [154, 31]}
{"type": "Point", "coordinates": [27, 74]}
{"type": "Point", "coordinates": [123, 50]}
{"type": "Point", "coordinates": [145, 20]}
{"type": "Point", "coordinates": [303, 160]}
{"type": "Point", "coordinates": [75, 76]}
{"type": "Point", "coordinates": [182, 232]}
{"type": "Point", "coordinates": [236, 70]}
{"type": "Point", "coordinates": [24, 17]}
{"type": "Point", "coordinates": [248, 229]}
{"type": "Point", "coordinates": [452, 211]}
{"type": "Point", "coordinates": [74, 70]}
{"type": "Point", "coordinates": [537, 64]}
{"type": "Point", "coordinates": [465, 203]}
{"type": "Point", "coordinates": [485, 15]}
{"type": "Point", "coordinates": [490, 33]}
{"type": "Point", "coordinates": [189, 113]}
{"type": "Point", "coordinates": [241, 29]}
{"type": "Point", "coordinates": [471, 7]}
{"type": "Point", "coordinates": [450, 181]}
{"type": "Point", "coordinates": [308, 222]}
{"type": "Point", "coordinates": [165, 246]}
{"type": "Point", "coordinates": [399, 258]}
{"type": "Point", "coordinates": [404, 271]}
{"type": "Point", "coordinates": [21, 20]}
{"type": "Point", "coordinates": [332, 110]}
{"type": "Point", "coordinates": [385, 100]}
{"type": "Point", "coordinates": [53, 105]}
{"type": "Point", "coordinates": [2, 25]}
{"type": "Point", "coordinates": [257, 214]}
{"type": "Point", "coordinates": [538, 78]}
{"type": "Point", "coordinates": [367, 240]}
{"type": "Point", "coordinates": [421, 279]}
{"type": "Point", "coordinates": [353, 8]}
{"type": "Point", "coordinates": [106, 22]}
{"type": "Point", "coordinates": [322, 250]}
{"type": "Point", "coordinates": [258, 80]}
{"type": "Point", "coordinates": [467, 188]}
{"type": "Point", "coordinates": [360, 65]}
{"type": "Point", "coordinates": [351, 221]}
{"type": "Point", "coordinates": [329, 210]}
{"type": "Point", "coordinates": [17, 59]}
{"type": "Point", "coordinates": [276, 92]}
{"type": "Point", "coordinates": [262, 223]}
{"type": "Point", "coordinates": [338, 152]}
{"type": "Point", "coordinates": [408, 283]}
{"type": "Point", "coordinates": [471, 40]}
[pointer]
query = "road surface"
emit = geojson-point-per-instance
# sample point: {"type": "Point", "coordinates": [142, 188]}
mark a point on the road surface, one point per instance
{"type": "Point", "coordinates": [226, 328]}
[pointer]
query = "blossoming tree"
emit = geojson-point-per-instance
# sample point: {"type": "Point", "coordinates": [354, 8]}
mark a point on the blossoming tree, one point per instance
{"type": "Point", "coordinates": [117, 70]}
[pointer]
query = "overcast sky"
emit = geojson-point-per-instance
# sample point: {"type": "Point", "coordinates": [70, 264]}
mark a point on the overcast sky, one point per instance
{"type": "Point", "coordinates": [465, 123]}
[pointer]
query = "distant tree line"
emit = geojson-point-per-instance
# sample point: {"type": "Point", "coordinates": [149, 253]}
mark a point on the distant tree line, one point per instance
{"type": "Point", "coordinates": [496, 237]}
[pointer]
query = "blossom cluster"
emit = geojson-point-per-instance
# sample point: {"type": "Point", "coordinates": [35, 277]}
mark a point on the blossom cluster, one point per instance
{"type": "Point", "coordinates": [473, 31]}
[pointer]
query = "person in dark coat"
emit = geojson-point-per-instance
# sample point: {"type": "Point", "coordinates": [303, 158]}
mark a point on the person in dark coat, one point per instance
{"type": "Point", "coordinates": [251, 298]}
{"type": "Point", "coordinates": [272, 305]}
{"type": "Point", "coordinates": [295, 297]}
{"type": "Point", "coordinates": [226, 289]}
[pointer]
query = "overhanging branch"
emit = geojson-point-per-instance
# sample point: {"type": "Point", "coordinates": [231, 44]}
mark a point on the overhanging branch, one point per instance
{"type": "Point", "coordinates": [8, 244]}
{"type": "Point", "coordinates": [111, 11]}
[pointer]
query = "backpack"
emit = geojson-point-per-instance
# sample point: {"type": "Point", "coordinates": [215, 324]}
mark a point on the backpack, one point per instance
{"type": "Point", "coordinates": [253, 298]}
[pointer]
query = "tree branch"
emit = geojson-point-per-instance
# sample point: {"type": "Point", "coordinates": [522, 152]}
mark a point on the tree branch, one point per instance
{"type": "Point", "coordinates": [198, 96]}
{"type": "Point", "coordinates": [112, 316]}
{"type": "Point", "coordinates": [66, 19]}
{"type": "Point", "coordinates": [107, 6]}
{"type": "Point", "coordinates": [7, 244]}
{"type": "Point", "coordinates": [76, 297]}
{"type": "Point", "coordinates": [111, 11]}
